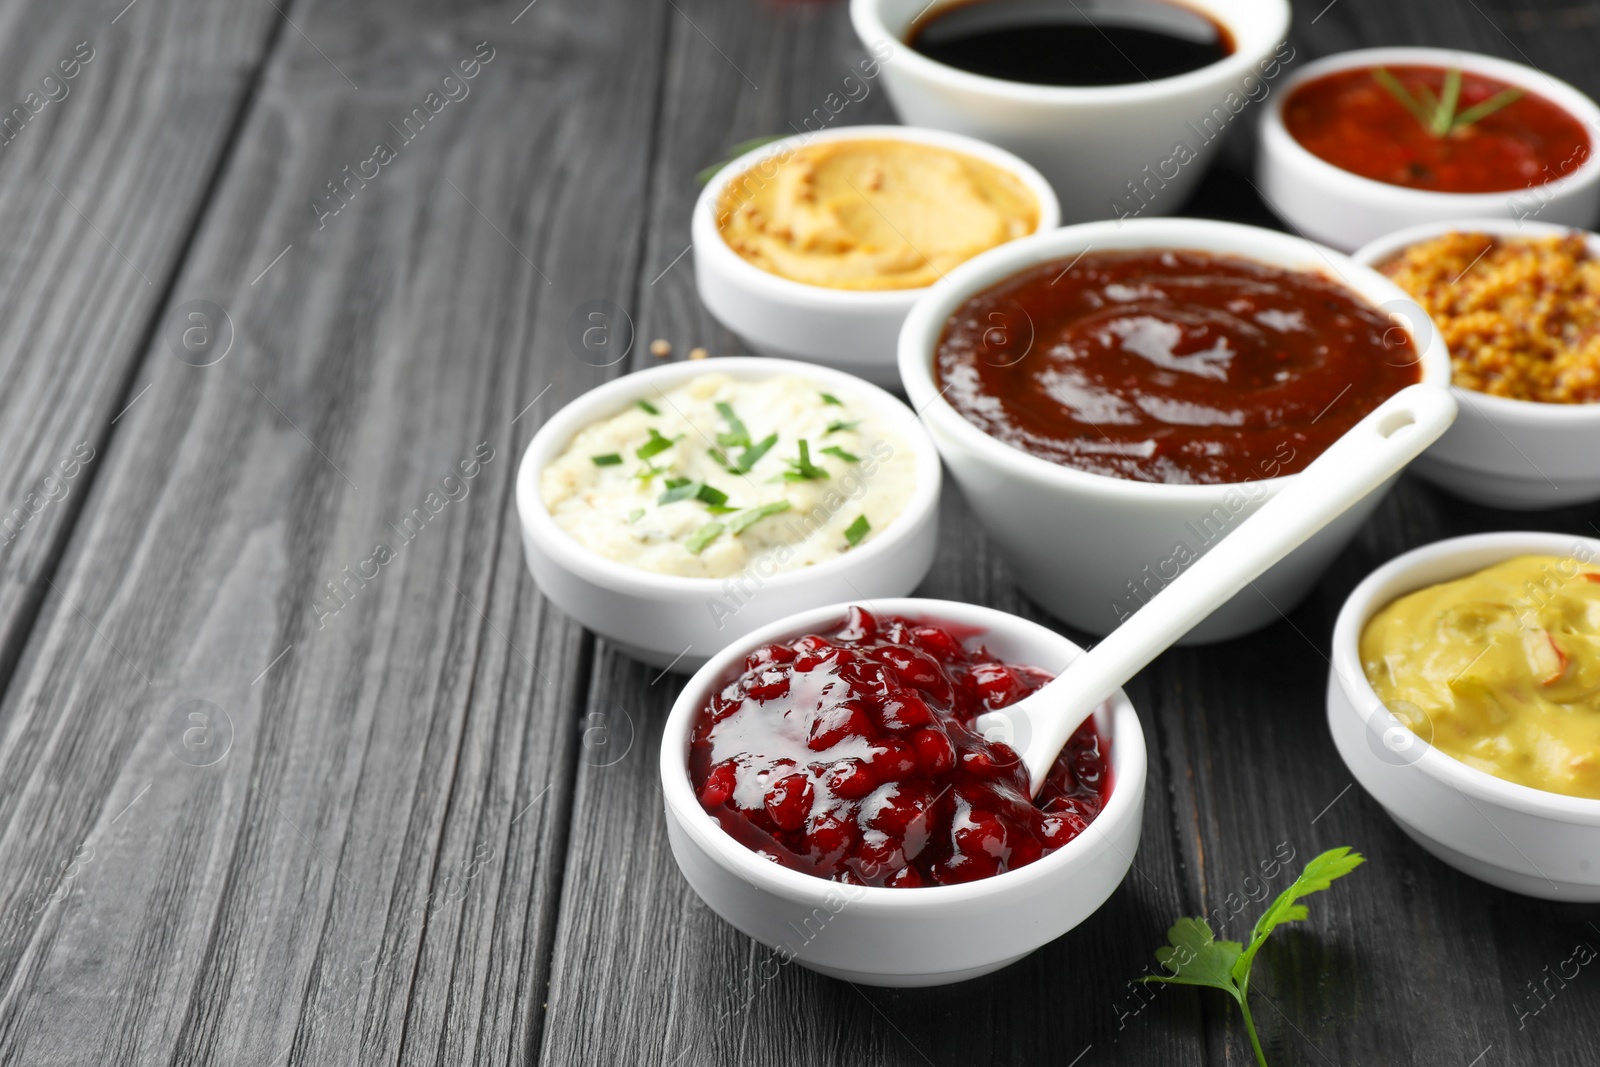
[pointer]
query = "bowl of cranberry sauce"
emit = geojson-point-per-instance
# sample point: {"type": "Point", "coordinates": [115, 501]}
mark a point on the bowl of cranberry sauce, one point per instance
{"type": "Point", "coordinates": [826, 795]}
{"type": "Point", "coordinates": [850, 755]}
{"type": "Point", "coordinates": [1360, 144]}
{"type": "Point", "coordinates": [1115, 397]}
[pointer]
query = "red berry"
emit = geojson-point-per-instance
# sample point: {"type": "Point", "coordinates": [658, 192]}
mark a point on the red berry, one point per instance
{"type": "Point", "coordinates": [719, 784]}
{"type": "Point", "coordinates": [850, 779]}
{"type": "Point", "coordinates": [892, 759]}
{"type": "Point", "coordinates": [996, 684]}
{"type": "Point", "coordinates": [939, 644]}
{"type": "Point", "coordinates": [789, 801]}
{"type": "Point", "coordinates": [769, 684]}
{"type": "Point", "coordinates": [859, 626]}
{"type": "Point", "coordinates": [767, 655]}
{"type": "Point", "coordinates": [837, 723]}
{"type": "Point", "coordinates": [810, 651]}
{"type": "Point", "coordinates": [905, 711]}
{"type": "Point", "coordinates": [935, 753]}
{"type": "Point", "coordinates": [905, 878]}
{"type": "Point", "coordinates": [830, 833]}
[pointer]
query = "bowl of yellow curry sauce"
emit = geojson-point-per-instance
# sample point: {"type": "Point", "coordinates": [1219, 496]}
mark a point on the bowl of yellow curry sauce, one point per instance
{"type": "Point", "coordinates": [815, 247]}
{"type": "Point", "coordinates": [1464, 696]}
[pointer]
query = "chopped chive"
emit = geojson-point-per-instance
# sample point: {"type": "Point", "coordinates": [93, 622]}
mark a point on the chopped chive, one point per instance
{"type": "Point", "coordinates": [651, 408]}
{"type": "Point", "coordinates": [684, 490]}
{"type": "Point", "coordinates": [702, 537]}
{"type": "Point", "coordinates": [648, 471]}
{"type": "Point", "coordinates": [857, 530]}
{"type": "Point", "coordinates": [656, 445]}
{"type": "Point", "coordinates": [829, 398]}
{"type": "Point", "coordinates": [610, 459]}
{"type": "Point", "coordinates": [635, 515]}
{"type": "Point", "coordinates": [722, 460]}
{"type": "Point", "coordinates": [836, 427]}
{"type": "Point", "coordinates": [750, 516]}
{"type": "Point", "coordinates": [752, 455]}
{"type": "Point", "coordinates": [737, 435]}
{"type": "Point", "coordinates": [711, 496]}
{"type": "Point", "coordinates": [802, 469]}
{"type": "Point", "coordinates": [848, 457]}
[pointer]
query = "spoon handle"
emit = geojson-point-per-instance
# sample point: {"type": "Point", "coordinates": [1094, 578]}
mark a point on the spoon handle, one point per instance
{"type": "Point", "coordinates": [1373, 450]}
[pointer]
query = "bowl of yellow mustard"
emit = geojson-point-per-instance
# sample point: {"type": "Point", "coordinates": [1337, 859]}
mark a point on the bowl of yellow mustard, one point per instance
{"type": "Point", "coordinates": [1464, 695]}
{"type": "Point", "coordinates": [814, 247]}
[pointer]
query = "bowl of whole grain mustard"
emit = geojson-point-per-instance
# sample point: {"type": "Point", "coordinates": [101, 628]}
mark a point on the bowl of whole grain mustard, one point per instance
{"type": "Point", "coordinates": [1464, 695]}
{"type": "Point", "coordinates": [1518, 305]}
{"type": "Point", "coordinates": [815, 246]}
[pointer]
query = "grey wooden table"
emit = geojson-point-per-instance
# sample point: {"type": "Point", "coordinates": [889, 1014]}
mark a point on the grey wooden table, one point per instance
{"type": "Point", "coordinates": [262, 805]}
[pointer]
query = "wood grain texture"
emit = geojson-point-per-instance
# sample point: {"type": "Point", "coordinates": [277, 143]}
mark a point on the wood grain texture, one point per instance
{"type": "Point", "coordinates": [367, 873]}
{"type": "Point", "coordinates": [104, 174]}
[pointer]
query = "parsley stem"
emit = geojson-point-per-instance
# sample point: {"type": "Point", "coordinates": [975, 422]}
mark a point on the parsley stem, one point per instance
{"type": "Point", "coordinates": [1250, 1028]}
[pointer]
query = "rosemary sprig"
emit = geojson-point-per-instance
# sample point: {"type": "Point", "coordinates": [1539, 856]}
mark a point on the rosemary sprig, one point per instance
{"type": "Point", "coordinates": [1438, 115]}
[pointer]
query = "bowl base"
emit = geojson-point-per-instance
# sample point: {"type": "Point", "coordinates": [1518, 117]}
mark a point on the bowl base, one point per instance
{"type": "Point", "coordinates": [1532, 492]}
{"type": "Point", "coordinates": [910, 981]}
{"type": "Point", "coordinates": [1515, 881]}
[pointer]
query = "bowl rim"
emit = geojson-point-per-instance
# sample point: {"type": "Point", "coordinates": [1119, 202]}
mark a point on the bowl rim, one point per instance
{"type": "Point", "coordinates": [1363, 701]}
{"type": "Point", "coordinates": [713, 252]}
{"type": "Point", "coordinates": [616, 395]}
{"type": "Point", "coordinates": [1130, 766]}
{"type": "Point", "coordinates": [867, 19]}
{"type": "Point", "coordinates": [1376, 251]}
{"type": "Point", "coordinates": [920, 332]}
{"type": "Point", "coordinates": [1277, 141]}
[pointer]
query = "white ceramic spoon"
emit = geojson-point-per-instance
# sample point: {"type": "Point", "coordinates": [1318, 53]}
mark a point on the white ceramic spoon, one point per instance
{"type": "Point", "coordinates": [1372, 451]}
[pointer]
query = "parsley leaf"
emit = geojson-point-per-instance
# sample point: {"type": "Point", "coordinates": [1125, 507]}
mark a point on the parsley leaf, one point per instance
{"type": "Point", "coordinates": [802, 469]}
{"type": "Point", "coordinates": [656, 445]}
{"type": "Point", "coordinates": [750, 516]}
{"type": "Point", "coordinates": [857, 530]}
{"type": "Point", "coordinates": [848, 457]}
{"type": "Point", "coordinates": [1196, 957]}
{"type": "Point", "coordinates": [651, 408]}
{"type": "Point", "coordinates": [702, 537]}
{"type": "Point", "coordinates": [610, 459]}
{"type": "Point", "coordinates": [829, 398]}
{"type": "Point", "coordinates": [737, 436]}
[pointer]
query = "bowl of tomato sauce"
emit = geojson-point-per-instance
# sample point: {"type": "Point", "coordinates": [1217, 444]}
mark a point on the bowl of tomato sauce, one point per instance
{"type": "Point", "coordinates": [1114, 398]}
{"type": "Point", "coordinates": [1363, 143]}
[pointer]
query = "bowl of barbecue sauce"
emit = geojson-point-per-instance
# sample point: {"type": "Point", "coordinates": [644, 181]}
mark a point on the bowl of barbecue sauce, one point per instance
{"type": "Point", "coordinates": [1113, 399]}
{"type": "Point", "coordinates": [1121, 104]}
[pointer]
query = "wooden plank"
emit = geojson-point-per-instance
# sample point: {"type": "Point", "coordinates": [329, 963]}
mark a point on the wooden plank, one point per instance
{"type": "Point", "coordinates": [105, 173]}
{"type": "Point", "coordinates": [367, 873]}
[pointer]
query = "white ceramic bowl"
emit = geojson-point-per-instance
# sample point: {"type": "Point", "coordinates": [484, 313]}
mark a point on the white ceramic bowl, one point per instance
{"type": "Point", "coordinates": [906, 937]}
{"type": "Point", "coordinates": [1345, 210]}
{"type": "Point", "coordinates": [1080, 543]}
{"type": "Point", "coordinates": [849, 330]}
{"type": "Point", "coordinates": [666, 619]}
{"type": "Point", "coordinates": [1509, 835]}
{"type": "Point", "coordinates": [1096, 144]}
{"type": "Point", "coordinates": [1505, 453]}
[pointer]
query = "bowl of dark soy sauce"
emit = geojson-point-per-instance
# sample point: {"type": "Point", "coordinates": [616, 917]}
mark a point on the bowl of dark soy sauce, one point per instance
{"type": "Point", "coordinates": [1121, 104]}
